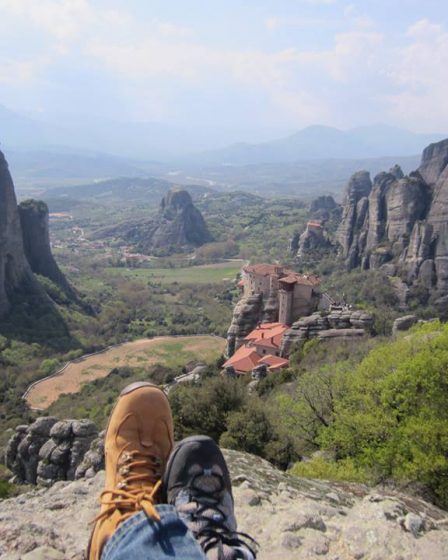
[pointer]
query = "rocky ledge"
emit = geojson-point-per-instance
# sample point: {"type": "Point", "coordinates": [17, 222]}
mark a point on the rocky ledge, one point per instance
{"type": "Point", "coordinates": [49, 450]}
{"type": "Point", "coordinates": [291, 518]}
{"type": "Point", "coordinates": [339, 323]}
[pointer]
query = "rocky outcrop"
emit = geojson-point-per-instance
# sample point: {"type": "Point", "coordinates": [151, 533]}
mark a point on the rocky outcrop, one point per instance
{"type": "Point", "coordinates": [404, 323]}
{"type": "Point", "coordinates": [247, 314]}
{"type": "Point", "coordinates": [16, 277]}
{"type": "Point", "coordinates": [50, 450]}
{"type": "Point", "coordinates": [400, 222]}
{"type": "Point", "coordinates": [178, 227]}
{"type": "Point", "coordinates": [323, 202]}
{"type": "Point", "coordinates": [323, 207]}
{"type": "Point", "coordinates": [339, 323]}
{"type": "Point", "coordinates": [351, 233]}
{"type": "Point", "coordinates": [313, 239]}
{"type": "Point", "coordinates": [36, 239]}
{"type": "Point", "coordinates": [291, 518]}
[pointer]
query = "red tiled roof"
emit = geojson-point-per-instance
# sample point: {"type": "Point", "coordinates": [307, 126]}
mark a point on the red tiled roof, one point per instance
{"type": "Point", "coordinates": [305, 280]}
{"type": "Point", "coordinates": [268, 335]}
{"type": "Point", "coordinates": [274, 362]}
{"type": "Point", "coordinates": [265, 331]}
{"type": "Point", "coordinates": [290, 276]}
{"type": "Point", "coordinates": [263, 269]}
{"type": "Point", "coordinates": [291, 279]}
{"type": "Point", "coordinates": [244, 359]}
{"type": "Point", "coordinates": [314, 224]}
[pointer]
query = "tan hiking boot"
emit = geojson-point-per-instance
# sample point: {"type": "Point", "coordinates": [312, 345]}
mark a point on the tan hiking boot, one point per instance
{"type": "Point", "coordinates": [138, 441]}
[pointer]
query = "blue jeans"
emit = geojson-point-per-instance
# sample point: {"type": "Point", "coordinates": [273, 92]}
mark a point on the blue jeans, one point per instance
{"type": "Point", "coordinates": [140, 538]}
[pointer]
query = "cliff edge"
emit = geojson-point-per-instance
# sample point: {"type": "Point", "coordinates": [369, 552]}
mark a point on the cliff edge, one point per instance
{"type": "Point", "coordinates": [291, 518]}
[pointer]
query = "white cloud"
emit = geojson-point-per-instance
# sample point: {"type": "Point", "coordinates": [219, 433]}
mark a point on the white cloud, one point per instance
{"type": "Point", "coordinates": [399, 75]}
{"type": "Point", "coordinates": [272, 23]}
{"type": "Point", "coordinates": [21, 71]}
{"type": "Point", "coordinates": [167, 29]}
{"type": "Point", "coordinates": [64, 19]}
{"type": "Point", "coordinates": [420, 70]}
{"type": "Point", "coordinates": [275, 23]}
{"type": "Point", "coordinates": [318, 2]}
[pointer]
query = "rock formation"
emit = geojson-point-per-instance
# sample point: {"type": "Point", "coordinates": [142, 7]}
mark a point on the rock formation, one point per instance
{"type": "Point", "coordinates": [339, 323]}
{"type": "Point", "coordinates": [178, 227]}
{"type": "Point", "coordinates": [36, 238]}
{"type": "Point", "coordinates": [322, 207]}
{"type": "Point", "coordinates": [404, 323]}
{"type": "Point", "coordinates": [16, 277]}
{"type": "Point", "coordinates": [313, 239]}
{"type": "Point", "coordinates": [400, 220]}
{"type": "Point", "coordinates": [50, 450]}
{"type": "Point", "coordinates": [291, 518]}
{"type": "Point", "coordinates": [247, 314]}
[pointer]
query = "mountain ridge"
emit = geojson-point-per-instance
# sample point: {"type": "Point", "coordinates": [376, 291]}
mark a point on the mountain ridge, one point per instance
{"type": "Point", "coordinates": [324, 142]}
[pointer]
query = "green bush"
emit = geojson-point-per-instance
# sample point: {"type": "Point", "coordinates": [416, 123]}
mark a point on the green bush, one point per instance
{"type": "Point", "coordinates": [321, 468]}
{"type": "Point", "coordinates": [391, 419]}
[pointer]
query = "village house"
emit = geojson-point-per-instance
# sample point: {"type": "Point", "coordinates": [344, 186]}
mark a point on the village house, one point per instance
{"type": "Point", "coordinates": [287, 294]}
{"type": "Point", "coordinates": [261, 346]}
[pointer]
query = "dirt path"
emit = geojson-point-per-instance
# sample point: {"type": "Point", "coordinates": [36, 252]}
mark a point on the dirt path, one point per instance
{"type": "Point", "coordinates": [169, 350]}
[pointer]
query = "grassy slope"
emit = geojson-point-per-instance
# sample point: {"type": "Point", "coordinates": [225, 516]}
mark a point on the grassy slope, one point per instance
{"type": "Point", "coordinates": [189, 275]}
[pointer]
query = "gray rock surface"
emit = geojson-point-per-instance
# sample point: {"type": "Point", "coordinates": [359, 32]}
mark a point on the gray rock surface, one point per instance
{"type": "Point", "coordinates": [36, 238]}
{"type": "Point", "coordinates": [247, 313]}
{"type": "Point", "coordinates": [312, 239]}
{"type": "Point", "coordinates": [16, 277]}
{"type": "Point", "coordinates": [323, 202]}
{"type": "Point", "coordinates": [178, 227]}
{"type": "Point", "coordinates": [404, 323]}
{"type": "Point", "coordinates": [350, 232]}
{"type": "Point", "coordinates": [401, 220]}
{"type": "Point", "coordinates": [338, 323]}
{"type": "Point", "coordinates": [291, 518]}
{"type": "Point", "coordinates": [50, 450]}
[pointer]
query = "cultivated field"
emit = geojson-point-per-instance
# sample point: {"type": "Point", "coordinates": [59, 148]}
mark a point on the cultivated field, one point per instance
{"type": "Point", "coordinates": [204, 274]}
{"type": "Point", "coordinates": [167, 350]}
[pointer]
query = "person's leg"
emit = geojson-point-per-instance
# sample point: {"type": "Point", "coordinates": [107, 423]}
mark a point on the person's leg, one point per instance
{"type": "Point", "coordinates": [139, 537]}
{"type": "Point", "coordinates": [197, 483]}
{"type": "Point", "coordinates": [138, 441]}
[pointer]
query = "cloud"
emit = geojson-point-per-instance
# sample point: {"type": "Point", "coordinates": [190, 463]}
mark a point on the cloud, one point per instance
{"type": "Point", "coordinates": [318, 2]}
{"type": "Point", "coordinates": [420, 71]}
{"type": "Point", "coordinates": [275, 23]}
{"type": "Point", "coordinates": [64, 19]}
{"type": "Point", "coordinates": [21, 71]}
{"type": "Point", "coordinates": [359, 70]}
{"type": "Point", "coordinates": [171, 30]}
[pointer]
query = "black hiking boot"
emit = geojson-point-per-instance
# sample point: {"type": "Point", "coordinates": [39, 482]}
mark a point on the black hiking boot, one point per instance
{"type": "Point", "coordinates": [197, 483]}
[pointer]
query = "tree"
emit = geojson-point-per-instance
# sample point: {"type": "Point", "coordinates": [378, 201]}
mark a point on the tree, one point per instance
{"type": "Point", "coordinates": [392, 418]}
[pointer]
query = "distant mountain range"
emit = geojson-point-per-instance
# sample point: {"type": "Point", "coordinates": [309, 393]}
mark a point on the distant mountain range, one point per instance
{"type": "Point", "coordinates": [323, 142]}
{"type": "Point", "coordinates": [159, 141]}
{"type": "Point", "coordinates": [69, 152]}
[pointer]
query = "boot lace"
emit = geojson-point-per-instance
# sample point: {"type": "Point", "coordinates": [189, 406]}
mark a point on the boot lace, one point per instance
{"type": "Point", "coordinates": [135, 491]}
{"type": "Point", "coordinates": [212, 531]}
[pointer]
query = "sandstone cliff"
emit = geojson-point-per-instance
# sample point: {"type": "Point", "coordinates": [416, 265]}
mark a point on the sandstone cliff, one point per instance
{"type": "Point", "coordinates": [400, 220]}
{"type": "Point", "coordinates": [247, 314]}
{"type": "Point", "coordinates": [49, 450]}
{"type": "Point", "coordinates": [338, 323]}
{"type": "Point", "coordinates": [291, 518]}
{"type": "Point", "coordinates": [178, 227]}
{"type": "Point", "coordinates": [16, 277]}
{"type": "Point", "coordinates": [36, 238]}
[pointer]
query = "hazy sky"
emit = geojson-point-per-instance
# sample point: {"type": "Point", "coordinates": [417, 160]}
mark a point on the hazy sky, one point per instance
{"type": "Point", "coordinates": [239, 63]}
